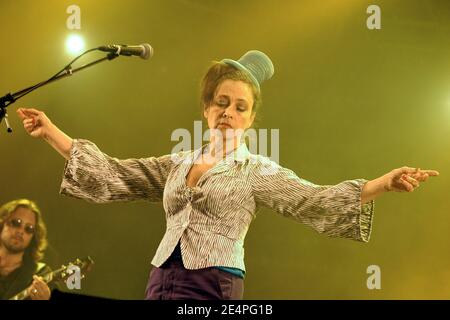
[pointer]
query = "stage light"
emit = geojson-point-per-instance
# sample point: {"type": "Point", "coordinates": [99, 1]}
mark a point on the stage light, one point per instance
{"type": "Point", "coordinates": [75, 44]}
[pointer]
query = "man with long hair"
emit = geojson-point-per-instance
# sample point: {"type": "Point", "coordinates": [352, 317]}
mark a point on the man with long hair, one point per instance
{"type": "Point", "coordinates": [23, 239]}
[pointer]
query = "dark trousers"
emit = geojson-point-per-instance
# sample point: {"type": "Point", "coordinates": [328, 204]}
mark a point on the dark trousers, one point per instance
{"type": "Point", "coordinates": [173, 282]}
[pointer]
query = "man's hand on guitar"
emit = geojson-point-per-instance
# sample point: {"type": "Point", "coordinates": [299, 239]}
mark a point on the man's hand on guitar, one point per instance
{"type": "Point", "coordinates": [39, 290]}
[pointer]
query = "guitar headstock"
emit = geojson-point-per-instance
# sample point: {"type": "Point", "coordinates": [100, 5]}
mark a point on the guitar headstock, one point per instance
{"type": "Point", "coordinates": [78, 265]}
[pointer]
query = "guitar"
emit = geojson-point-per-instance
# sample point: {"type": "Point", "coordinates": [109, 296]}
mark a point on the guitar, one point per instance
{"type": "Point", "coordinates": [60, 275]}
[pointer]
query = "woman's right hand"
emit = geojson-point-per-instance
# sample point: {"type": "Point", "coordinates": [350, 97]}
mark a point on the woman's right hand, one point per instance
{"type": "Point", "coordinates": [35, 122]}
{"type": "Point", "coordinates": [38, 125]}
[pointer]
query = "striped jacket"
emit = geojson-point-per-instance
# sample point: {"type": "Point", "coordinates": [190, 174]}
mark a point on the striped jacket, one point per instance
{"type": "Point", "coordinates": [212, 219]}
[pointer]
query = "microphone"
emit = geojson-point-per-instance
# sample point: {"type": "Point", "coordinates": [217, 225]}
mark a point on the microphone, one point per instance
{"type": "Point", "coordinates": [145, 51]}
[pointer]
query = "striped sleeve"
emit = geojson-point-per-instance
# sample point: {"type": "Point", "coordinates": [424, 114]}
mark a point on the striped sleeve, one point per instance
{"type": "Point", "coordinates": [334, 210]}
{"type": "Point", "coordinates": [96, 177]}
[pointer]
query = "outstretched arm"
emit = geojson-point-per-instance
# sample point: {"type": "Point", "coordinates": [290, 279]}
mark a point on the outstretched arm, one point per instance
{"type": "Point", "coordinates": [93, 175]}
{"type": "Point", "coordinates": [341, 210]}
{"type": "Point", "coordinates": [334, 210]}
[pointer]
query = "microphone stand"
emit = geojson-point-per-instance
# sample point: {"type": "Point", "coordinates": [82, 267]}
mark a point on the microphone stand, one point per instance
{"type": "Point", "coordinates": [9, 98]}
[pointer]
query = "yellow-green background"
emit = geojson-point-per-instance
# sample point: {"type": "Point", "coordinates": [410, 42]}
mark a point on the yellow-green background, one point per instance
{"type": "Point", "coordinates": [349, 102]}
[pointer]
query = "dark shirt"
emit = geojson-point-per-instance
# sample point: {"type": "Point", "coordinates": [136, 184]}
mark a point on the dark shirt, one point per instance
{"type": "Point", "coordinates": [7, 281]}
{"type": "Point", "coordinates": [176, 256]}
{"type": "Point", "coordinates": [20, 279]}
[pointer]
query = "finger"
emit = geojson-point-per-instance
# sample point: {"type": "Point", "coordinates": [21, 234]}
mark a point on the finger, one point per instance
{"type": "Point", "coordinates": [409, 178]}
{"type": "Point", "coordinates": [40, 290]}
{"type": "Point", "coordinates": [25, 112]}
{"type": "Point", "coordinates": [35, 295]}
{"type": "Point", "coordinates": [31, 111]}
{"type": "Point", "coordinates": [422, 177]}
{"type": "Point", "coordinates": [29, 130]}
{"type": "Point", "coordinates": [28, 122]}
{"type": "Point", "coordinates": [432, 173]}
{"type": "Point", "coordinates": [38, 279]}
{"type": "Point", "coordinates": [32, 291]}
{"type": "Point", "coordinates": [412, 181]}
{"type": "Point", "coordinates": [408, 170]}
{"type": "Point", "coordinates": [42, 285]}
{"type": "Point", "coordinates": [21, 114]}
{"type": "Point", "coordinates": [411, 171]}
{"type": "Point", "coordinates": [415, 175]}
{"type": "Point", "coordinates": [38, 284]}
{"type": "Point", "coordinates": [408, 186]}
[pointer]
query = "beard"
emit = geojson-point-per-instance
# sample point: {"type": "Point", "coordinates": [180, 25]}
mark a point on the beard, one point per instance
{"type": "Point", "coordinates": [14, 248]}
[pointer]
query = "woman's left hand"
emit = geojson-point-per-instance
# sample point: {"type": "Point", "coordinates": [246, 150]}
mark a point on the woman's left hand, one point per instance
{"type": "Point", "coordinates": [406, 179]}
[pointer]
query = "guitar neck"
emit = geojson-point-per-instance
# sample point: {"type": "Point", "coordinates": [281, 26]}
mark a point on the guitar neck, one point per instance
{"type": "Point", "coordinates": [83, 265]}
